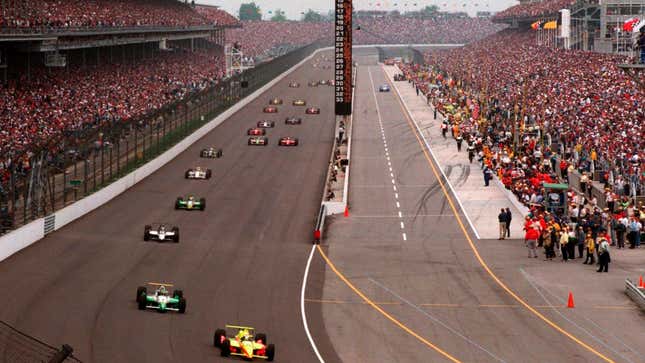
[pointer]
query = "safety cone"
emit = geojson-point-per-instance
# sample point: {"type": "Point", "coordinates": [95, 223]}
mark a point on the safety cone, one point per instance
{"type": "Point", "coordinates": [346, 214]}
{"type": "Point", "coordinates": [570, 303]}
{"type": "Point", "coordinates": [641, 284]}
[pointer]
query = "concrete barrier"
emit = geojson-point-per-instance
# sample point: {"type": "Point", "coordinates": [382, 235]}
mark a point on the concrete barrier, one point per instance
{"type": "Point", "coordinates": [26, 235]}
{"type": "Point", "coordinates": [635, 293]}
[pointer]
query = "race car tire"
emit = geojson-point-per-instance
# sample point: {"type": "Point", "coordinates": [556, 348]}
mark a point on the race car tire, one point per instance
{"type": "Point", "coordinates": [178, 203]}
{"type": "Point", "coordinates": [296, 143]}
{"type": "Point", "coordinates": [217, 337]}
{"type": "Point", "coordinates": [202, 204]}
{"type": "Point", "coordinates": [203, 154]}
{"type": "Point", "coordinates": [187, 175]}
{"type": "Point", "coordinates": [178, 293]}
{"type": "Point", "coordinates": [141, 291]}
{"type": "Point", "coordinates": [270, 352]}
{"type": "Point", "coordinates": [146, 233]}
{"type": "Point", "coordinates": [182, 305]}
{"type": "Point", "coordinates": [249, 142]}
{"type": "Point", "coordinates": [261, 338]}
{"type": "Point", "coordinates": [175, 237]}
{"type": "Point", "coordinates": [226, 348]}
{"type": "Point", "coordinates": [219, 153]}
{"type": "Point", "coordinates": [208, 173]}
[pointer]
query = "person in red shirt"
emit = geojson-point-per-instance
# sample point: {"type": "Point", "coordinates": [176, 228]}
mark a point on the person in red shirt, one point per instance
{"type": "Point", "coordinates": [531, 236]}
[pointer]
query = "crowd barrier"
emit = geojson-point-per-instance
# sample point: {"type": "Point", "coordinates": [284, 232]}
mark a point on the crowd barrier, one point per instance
{"type": "Point", "coordinates": [635, 293]}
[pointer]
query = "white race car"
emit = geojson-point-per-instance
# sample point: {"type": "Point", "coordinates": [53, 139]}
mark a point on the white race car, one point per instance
{"type": "Point", "coordinates": [198, 173]}
{"type": "Point", "coordinates": [160, 232]}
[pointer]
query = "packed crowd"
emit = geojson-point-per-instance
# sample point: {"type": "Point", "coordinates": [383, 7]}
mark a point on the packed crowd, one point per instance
{"type": "Point", "coordinates": [404, 30]}
{"type": "Point", "coordinates": [34, 114]}
{"type": "Point", "coordinates": [571, 110]}
{"type": "Point", "coordinates": [534, 9]}
{"type": "Point", "coordinates": [217, 16]}
{"type": "Point", "coordinates": [100, 13]}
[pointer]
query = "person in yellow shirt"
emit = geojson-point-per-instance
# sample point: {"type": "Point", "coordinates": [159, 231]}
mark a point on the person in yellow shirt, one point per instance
{"type": "Point", "coordinates": [591, 249]}
{"type": "Point", "coordinates": [564, 241]}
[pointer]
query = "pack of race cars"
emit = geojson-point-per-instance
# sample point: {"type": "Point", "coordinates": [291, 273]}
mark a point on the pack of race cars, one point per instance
{"type": "Point", "coordinates": [239, 341]}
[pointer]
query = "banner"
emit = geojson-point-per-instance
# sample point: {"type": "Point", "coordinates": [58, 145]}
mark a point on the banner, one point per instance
{"type": "Point", "coordinates": [343, 57]}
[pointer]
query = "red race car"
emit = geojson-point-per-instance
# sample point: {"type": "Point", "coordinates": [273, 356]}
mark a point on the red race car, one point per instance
{"type": "Point", "coordinates": [293, 120]}
{"type": "Point", "coordinates": [312, 111]}
{"type": "Point", "coordinates": [270, 109]}
{"type": "Point", "coordinates": [256, 131]}
{"type": "Point", "coordinates": [288, 141]}
{"type": "Point", "coordinates": [266, 124]}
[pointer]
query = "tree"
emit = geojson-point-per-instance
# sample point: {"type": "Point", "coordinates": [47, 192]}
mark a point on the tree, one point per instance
{"type": "Point", "coordinates": [312, 16]}
{"type": "Point", "coordinates": [250, 11]}
{"type": "Point", "coordinates": [430, 11]}
{"type": "Point", "coordinates": [278, 15]}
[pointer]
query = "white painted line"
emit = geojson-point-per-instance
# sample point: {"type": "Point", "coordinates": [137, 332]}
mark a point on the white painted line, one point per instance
{"type": "Point", "coordinates": [398, 205]}
{"type": "Point", "coordinates": [405, 238]}
{"type": "Point", "coordinates": [393, 182]}
{"type": "Point", "coordinates": [391, 175]}
{"type": "Point", "coordinates": [391, 169]}
{"type": "Point", "coordinates": [402, 225]}
{"type": "Point", "coordinates": [302, 305]}
{"type": "Point", "coordinates": [400, 214]}
{"type": "Point", "coordinates": [396, 195]}
{"type": "Point", "coordinates": [389, 164]}
{"type": "Point", "coordinates": [436, 161]}
{"type": "Point", "coordinates": [394, 187]}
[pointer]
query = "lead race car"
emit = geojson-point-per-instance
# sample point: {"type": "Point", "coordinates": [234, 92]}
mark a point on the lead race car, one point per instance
{"type": "Point", "coordinates": [161, 300]}
{"type": "Point", "coordinates": [288, 141]}
{"type": "Point", "coordinates": [211, 153]}
{"type": "Point", "coordinates": [160, 232]}
{"type": "Point", "coordinates": [266, 124]}
{"type": "Point", "coordinates": [259, 140]}
{"type": "Point", "coordinates": [242, 341]}
{"type": "Point", "coordinates": [312, 111]}
{"type": "Point", "coordinates": [293, 120]}
{"type": "Point", "coordinates": [190, 203]}
{"type": "Point", "coordinates": [198, 173]}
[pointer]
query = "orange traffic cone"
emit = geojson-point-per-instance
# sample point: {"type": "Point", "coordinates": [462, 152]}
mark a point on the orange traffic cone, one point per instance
{"type": "Point", "coordinates": [640, 282]}
{"type": "Point", "coordinates": [346, 214]}
{"type": "Point", "coordinates": [570, 303]}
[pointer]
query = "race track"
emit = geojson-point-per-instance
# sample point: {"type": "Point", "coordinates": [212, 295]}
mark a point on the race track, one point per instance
{"type": "Point", "coordinates": [239, 262]}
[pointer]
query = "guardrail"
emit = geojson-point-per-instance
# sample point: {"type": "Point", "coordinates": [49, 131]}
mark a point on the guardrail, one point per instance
{"type": "Point", "coordinates": [635, 293]}
{"type": "Point", "coordinates": [26, 235]}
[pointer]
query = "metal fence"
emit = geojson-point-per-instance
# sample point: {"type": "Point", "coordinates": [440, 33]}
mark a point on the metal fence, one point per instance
{"type": "Point", "coordinates": [89, 159]}
{"type": "Point", "coordinates": [18, 347]}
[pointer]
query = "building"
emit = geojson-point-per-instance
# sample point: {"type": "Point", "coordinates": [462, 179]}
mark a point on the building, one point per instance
{"type": "Point", "coordinates": [613, 13]}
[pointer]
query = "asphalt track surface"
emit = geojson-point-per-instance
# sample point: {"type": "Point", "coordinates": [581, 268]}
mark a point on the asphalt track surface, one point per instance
{"type": "Point", "coordinates": [239, 262]}
{"type": "Point", "coordinates": [429, 279]}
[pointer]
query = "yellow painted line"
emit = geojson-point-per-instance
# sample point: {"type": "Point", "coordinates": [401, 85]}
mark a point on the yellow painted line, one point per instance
{"type": "Point", "coordinates": [474, 248]}
{"type": "Point", "coordinates": [383, 312]}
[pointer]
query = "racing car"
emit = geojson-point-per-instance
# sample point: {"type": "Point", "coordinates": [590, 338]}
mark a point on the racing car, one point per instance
{"type": "Point", "coordinates": [293, 120]}
{"type": "Point", "coordinates": [384, 88]}
{"type": "Point", "coordinates": [211, 153]}
{"type": "Point", "coordinates": [294, 85]}
{"type": "Point", "coordinates": [242, 341]}
{"type": "Point", "coordinates": [256, 131]}
{"type": "Point", "coordinates": [160, 232]}
{"type": "Point", "coordinates": [275, 101]}
{"type": "Point", "coordinates": [190, 203]}
{"type": "Point", "coordinates": [323, 82]}
{"type": "Point", "coordinates": [299, 102]}
{"type": "Point", "coordinates": [266, 124]}
{"type": "Point", "coordinates": [288, 141]}
{"type": "Point", "coordinates": [312, 111]}
{"type": "Point", "coordinates": [259, 140]}
{"type": "Point", "coordinates": [198, 173]}
{"type": "Point", "coordinates": [313, 83]}
{"type": "Point", "coordinates": [270, 109]}
{"type": "Point", "coordinates": [161, 299]}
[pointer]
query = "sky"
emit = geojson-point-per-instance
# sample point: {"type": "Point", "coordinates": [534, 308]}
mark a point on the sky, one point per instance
{"type": "Point", "coordinates": [294, 9]}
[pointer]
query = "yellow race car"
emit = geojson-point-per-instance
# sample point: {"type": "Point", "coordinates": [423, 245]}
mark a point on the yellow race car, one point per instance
{"type": "Point", "coordinates": [242, 341]}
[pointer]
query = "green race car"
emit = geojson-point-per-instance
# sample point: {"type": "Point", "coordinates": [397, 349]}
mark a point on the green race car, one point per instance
{"type": "Point", "coordinates": [161, 300]}
{"type": "Point", "coordinates": [190, 203]}
{"type": "Point", "coordinates": [242, 341]}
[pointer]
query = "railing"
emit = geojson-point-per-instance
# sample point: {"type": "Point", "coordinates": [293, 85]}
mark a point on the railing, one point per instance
{"type": "Point", "coordinates": [17, 346]}
{"type": "Point", "coordinates": [71, 30]}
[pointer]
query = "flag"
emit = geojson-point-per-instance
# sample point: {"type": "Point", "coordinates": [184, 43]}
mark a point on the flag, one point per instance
{"type": "Point", "coordinates": [536, 25]}
{"type": "Point", "coordinates": [551, 25]}
{"type": "Point", "coordinates": [638, 26]}
{"type": "Point", "coordinates": [629, 24]}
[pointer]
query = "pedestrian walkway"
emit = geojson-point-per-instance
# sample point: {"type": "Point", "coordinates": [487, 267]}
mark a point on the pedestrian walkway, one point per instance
{"type": "Point", "coordinates": [481, 204]}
